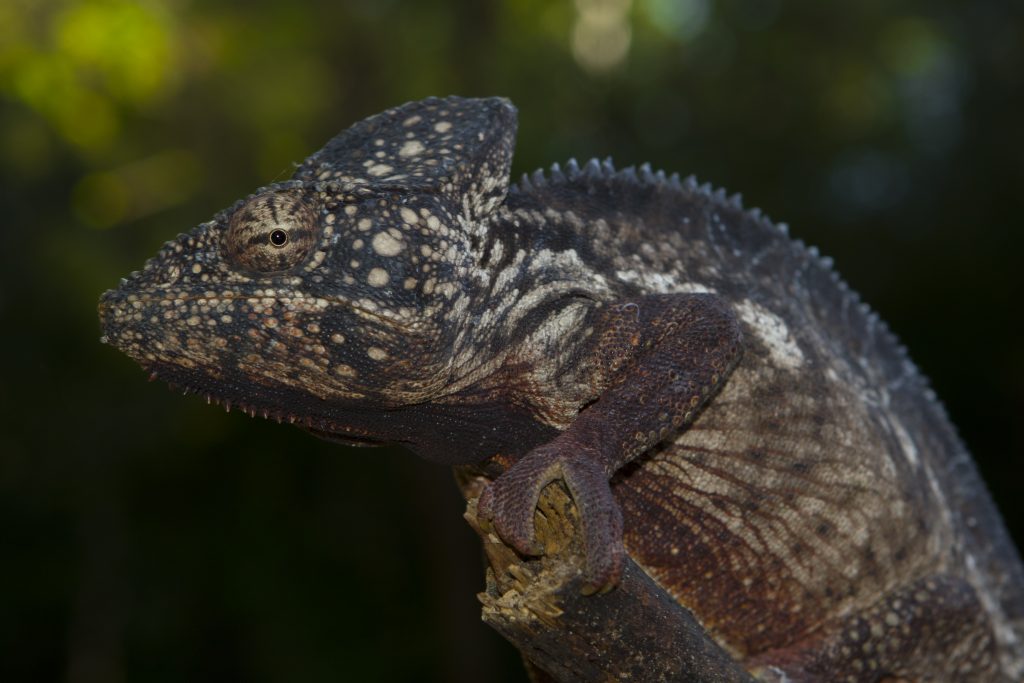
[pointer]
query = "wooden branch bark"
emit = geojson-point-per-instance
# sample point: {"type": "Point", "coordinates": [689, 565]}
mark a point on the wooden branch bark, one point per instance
{"type": "Point", "coordinates": [635, 632]}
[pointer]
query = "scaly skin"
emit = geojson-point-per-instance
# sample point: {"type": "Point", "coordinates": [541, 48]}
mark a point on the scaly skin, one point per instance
{"type": "Point", "coordinates": [776, 462]}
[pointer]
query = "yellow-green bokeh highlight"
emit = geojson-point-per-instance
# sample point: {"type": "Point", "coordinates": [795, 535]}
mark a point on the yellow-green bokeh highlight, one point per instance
{"type": "Point", "coordinates": [79, 64]}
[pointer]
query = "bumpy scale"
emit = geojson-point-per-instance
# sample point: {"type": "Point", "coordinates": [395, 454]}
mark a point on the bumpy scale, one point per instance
{"type": "Point", "coordinates": [791, 479]}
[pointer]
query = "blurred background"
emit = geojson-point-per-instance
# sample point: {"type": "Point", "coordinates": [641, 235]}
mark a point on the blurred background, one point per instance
{"type": "Point", "coordinates": [148, 537]}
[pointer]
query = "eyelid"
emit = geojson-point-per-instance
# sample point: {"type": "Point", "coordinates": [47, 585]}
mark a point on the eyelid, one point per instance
{"type": "Point", "coordinates": [252, 241]}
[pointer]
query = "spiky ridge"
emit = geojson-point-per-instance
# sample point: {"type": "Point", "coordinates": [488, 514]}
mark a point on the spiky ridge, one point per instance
{"type": "Point", "coordinates": [604, 170]}
{"type": "Point", "coordinates": [280, 417]}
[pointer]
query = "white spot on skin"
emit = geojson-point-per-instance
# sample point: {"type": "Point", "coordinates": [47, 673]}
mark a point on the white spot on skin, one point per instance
{"type": "Point", "coordinates": [546, 259]}
{"type": "Point", "coordinates": [378, 277]}
{"type": "Point", "coordinates": [662, 283]}
{"type": "Point", "coordinates": [412, 121]}
{"type": "Point", "coordinates": [377, 353]}
{"type": "Point", "coordinates": [693, 288]}
{"type": "Point", "coordinates": [774, 332]}
{"type": "Point", "coordinates": [411, 148]}
{"type": "Point", "coordinates": [379, 169]}
{"type": "Point", "coordinates": [497, 251]}
{"type": "Point", "coordinates": [442, 126]}
{"type": "Point", "coordinates": [906, 443]}
{"type": "Point", "coordinates": [318, 258]}
{"type": "Point", "coordinates": [385, 244]}
{"type": "Point", "coordinates": [409, 216]}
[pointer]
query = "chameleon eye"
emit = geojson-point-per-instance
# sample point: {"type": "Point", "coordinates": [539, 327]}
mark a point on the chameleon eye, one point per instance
{"type": "Point", "coordinates": [272, 232]}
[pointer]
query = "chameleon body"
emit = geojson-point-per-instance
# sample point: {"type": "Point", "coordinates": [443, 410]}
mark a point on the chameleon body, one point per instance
{"type": "Point", "coordinates": [775, 460]}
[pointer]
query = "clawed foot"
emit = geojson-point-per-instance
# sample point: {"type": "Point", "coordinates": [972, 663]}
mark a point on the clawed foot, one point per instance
{"type": "Point", "coordinates": [510, 502]}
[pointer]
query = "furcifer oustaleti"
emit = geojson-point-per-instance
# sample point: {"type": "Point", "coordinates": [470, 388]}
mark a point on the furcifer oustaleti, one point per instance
{"type": "Point", "coordinates": [751, 480]}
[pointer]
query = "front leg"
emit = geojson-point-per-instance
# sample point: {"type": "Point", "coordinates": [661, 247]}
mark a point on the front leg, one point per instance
{"type": "Point", "coordinates": [658, 359]}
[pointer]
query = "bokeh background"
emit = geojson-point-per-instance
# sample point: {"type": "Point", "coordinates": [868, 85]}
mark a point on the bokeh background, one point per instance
{"type": "Point", "coordinates": [148, 537]}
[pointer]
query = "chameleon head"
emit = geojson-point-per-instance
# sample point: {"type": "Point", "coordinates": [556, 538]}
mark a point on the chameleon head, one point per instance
{"type": "Point", "coordinates": [337, 289]}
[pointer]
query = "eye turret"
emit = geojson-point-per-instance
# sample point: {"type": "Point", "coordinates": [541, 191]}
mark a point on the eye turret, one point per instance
{"type": "Point", "coordinates": [271, 233]}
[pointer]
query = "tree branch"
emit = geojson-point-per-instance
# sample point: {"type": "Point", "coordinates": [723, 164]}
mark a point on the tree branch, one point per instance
{"type": "Point", "coordinates": [635, 632]}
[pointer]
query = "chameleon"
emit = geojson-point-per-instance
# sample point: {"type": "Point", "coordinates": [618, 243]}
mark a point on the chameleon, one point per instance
{"type": "Point", "coordinates": [720, 406]}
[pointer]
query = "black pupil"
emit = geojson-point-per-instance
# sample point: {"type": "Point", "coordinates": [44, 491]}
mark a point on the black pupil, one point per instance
{"type": "Point", "coordinates": [278, 238]}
